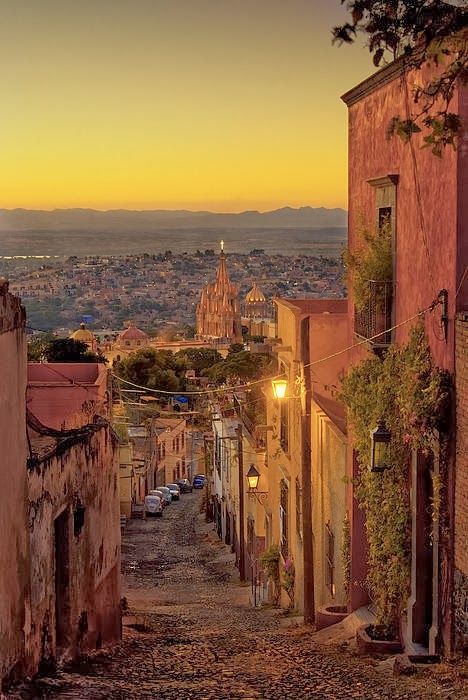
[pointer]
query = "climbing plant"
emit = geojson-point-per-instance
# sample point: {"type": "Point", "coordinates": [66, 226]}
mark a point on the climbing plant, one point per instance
{"type": "Point", "coordinates": [269, 561]}
{"type": "Point", "coordinates": [408, 392]}
{"type": "Point", "coordinates": [371, 259]}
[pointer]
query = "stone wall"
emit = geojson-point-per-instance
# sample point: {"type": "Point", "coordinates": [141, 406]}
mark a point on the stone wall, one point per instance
{"type": "Point", "coordinates": [14, 547]}
{"type": "Point", "coordinates": [461, 484]}
{"type": "Point", "coordinates": [75, 541]}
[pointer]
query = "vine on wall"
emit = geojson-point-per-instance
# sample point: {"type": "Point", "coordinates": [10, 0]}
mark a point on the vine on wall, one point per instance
{"type": "Point", "coordinates": [410, 394]}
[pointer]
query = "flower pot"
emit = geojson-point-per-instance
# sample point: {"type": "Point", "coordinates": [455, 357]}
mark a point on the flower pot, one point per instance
{"type": "Point", "coordinates": [329, 615]}
{"type": "Point", "coordinates": [370, 641]}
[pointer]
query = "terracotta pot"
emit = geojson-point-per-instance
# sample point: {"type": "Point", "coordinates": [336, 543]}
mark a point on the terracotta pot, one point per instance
{"type": "Point", "coordinates": [329, 615]}
{"type": "Point", "coordinates": [367, 645]}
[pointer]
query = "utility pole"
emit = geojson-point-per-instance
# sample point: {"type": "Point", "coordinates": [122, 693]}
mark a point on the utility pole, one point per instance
{"type": "Point", "coordinates": [307, 529]}
{"type": "Point", "coordinates": [240, 455]}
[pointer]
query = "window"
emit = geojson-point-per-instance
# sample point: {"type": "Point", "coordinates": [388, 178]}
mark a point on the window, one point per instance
{"type": "Point", "coordinates": [183, 466]}
{"type": "Point", "coordinates": [284, 517]}
{"type": "Point", "coordinates": [284, 425]}
{"type": "Point", "coordinates": [182, 439]}
{"type": "Point", "coordinates": [330, 559]}
{"type": "Point", "coordinates": [384, 216]}
{"type": "Point", "coordinates": [178, 470]}
{"type": "Point", "coordinates": [298, 508]}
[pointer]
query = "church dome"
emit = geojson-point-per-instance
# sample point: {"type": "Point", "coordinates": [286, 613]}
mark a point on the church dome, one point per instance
{"type": "Point", "coordinates": [83, 334]}
{"type": "Point", "coordinates": [255, 295]}
{"type": "Point", "coordinates": [133, 333]}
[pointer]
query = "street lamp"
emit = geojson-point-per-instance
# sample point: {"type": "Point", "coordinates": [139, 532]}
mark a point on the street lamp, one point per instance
{"type": "Point", "coordinates": [279, 388]}
{"type": "Point", "coordinates": [380, 443]}
{"type": "Point", "coordinates": [253, 475]}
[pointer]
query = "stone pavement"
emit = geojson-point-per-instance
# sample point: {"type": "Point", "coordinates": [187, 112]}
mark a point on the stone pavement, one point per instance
{"type": "Point", "coordinates": [189, 633]}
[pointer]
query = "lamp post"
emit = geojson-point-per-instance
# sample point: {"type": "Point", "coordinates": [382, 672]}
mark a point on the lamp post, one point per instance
{"type": "Point", "coordinates": [253, 475]}
{"type": "Point", "coordinates": [380, 447]}
{"type": "Point", "coordinates": [279, 388]}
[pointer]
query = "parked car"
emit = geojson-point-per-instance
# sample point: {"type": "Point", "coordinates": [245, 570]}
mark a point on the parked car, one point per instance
{"type": "Point", "coordinates": [200, 476]}
{"type": "Point", "coordinates": [167, 496]}
{"type": "Point", "coordinates": [198, 482]}
{"type": "Point", "coordinates": [153, 506]}
{"type": "Point", "coordinates": [185, 485]}
{"type": "Point", "coordinates": [175, 491]}
{"type": "Point", "coordinates": [157, 492]}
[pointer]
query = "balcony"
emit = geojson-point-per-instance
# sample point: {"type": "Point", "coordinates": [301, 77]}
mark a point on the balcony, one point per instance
{"type": "Point", "coordinates": [371, 322]}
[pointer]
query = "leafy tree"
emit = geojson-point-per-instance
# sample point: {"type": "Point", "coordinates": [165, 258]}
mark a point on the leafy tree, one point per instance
{"type": "Point", "coordinates": [155, 369]}
{"type": "Point", "coordinates": [235, 348]}
{"type": "Point", "coordinates": [70, 350]}
{"type": "Point", "coordinates": [423, 32]}
{"type": "Point", "coordinates": [38, 345]}
{"type": "Point", "coordinates": [200, 358]}
{"type": "Point", "coordinates": [240, 365]}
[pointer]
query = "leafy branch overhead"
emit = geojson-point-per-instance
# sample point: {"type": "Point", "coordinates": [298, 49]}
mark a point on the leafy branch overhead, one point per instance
{"type": "Point", "coordinates": [422, 33]}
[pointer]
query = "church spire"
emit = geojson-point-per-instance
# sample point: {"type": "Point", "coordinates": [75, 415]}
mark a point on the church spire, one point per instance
{"type": "Point", "coordinates": [222, 276]}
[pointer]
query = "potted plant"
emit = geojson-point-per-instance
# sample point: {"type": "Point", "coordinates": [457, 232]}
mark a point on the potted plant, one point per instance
{"type": "Point", "coordinates": [289, 579]}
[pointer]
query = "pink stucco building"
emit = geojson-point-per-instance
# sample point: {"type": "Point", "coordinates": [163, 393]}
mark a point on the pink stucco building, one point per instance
{"type": "Point", "coordinates": [14, 542]}
{"type": "Point", "coordinates": [425, 199]}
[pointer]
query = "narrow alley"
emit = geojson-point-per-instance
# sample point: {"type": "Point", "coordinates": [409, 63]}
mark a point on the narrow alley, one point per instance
{"type": "Point", "coordinates": [189, 632]}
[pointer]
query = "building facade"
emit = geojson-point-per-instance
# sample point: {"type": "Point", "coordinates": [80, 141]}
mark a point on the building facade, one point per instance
{"type": "Point", "coordinates": [218, 312]}
{"type": "Point", "coordinates": [423, 200]}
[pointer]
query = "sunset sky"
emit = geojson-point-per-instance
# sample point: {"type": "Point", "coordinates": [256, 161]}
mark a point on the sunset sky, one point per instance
{"type": "Point", "coordinates": [202, 104]}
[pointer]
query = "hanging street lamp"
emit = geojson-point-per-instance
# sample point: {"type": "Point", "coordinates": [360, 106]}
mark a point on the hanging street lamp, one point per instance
{"type": "Point", "coordinates": [380, 448]}
{"type": "Point", "coordinates": [279, 388]}
{"type": "Point", "coordinates": [253, 475]}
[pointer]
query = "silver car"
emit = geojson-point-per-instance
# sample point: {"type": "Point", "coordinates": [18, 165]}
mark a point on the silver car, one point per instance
{"type": "Point", "coordinates": [167, 496]}
{"type": "Point", "coordinates": [175, 491]}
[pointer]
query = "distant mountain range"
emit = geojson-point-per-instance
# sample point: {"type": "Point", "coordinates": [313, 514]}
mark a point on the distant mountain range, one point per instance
{"type": "Point", "coordinates": [124, 220]}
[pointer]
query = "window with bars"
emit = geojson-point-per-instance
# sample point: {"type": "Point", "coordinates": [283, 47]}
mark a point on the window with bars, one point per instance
{"type": "Point", "coordinates": [284, 517]}
{"type": "Point", "coordinates": [284, 425]}
{"type": "Point", "coordinates": [330, 558]}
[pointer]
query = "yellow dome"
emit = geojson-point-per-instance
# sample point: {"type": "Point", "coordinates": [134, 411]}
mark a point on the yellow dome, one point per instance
{"type": "Point", "coordinates": [83, 334]}
{"type": "Point", "coordinates": [255, 295]}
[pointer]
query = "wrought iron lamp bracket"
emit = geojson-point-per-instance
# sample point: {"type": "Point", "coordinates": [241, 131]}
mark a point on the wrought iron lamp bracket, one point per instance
{"type": "Point", "coordinates": [260, 496]}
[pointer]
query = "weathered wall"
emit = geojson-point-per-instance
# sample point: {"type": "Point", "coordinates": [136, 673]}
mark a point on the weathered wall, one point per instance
{"type": "Point", "coordinates": [461, 485]}
{"type": "Point", "coordinates": [329, 505]}
{"type": "Point", "coordinates": [14, 547]}
{"type": "Point", "coordinates": [427, 228]}
{"type": "Point", "coordinates": [84, 475]}
{"type": "Point", "coordinates": [74, 385]}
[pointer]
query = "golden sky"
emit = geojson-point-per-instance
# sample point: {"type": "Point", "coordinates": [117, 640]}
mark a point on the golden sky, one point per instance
{"type": "Point", "coordinates": [203, 104]}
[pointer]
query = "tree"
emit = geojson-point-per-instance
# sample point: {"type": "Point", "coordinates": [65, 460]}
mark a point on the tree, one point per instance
{"type": "Point", "coordinates": [199, 358]}
{"type": "Point", "coordinates": [235, 348]}
{"type": "Point", "coordinates": [155, 369]}
{"type": "Point", "coordinates": [70, 350]}
{"type": "Point", "coordinates": [420, 32]}
{"type": "Point", "coordinates": [38, 345]}
{"type": "Point", "coordinates": [240, 365]}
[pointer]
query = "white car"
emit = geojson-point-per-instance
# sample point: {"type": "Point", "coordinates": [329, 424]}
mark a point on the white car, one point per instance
{"type": "Point", "coordinates": [153, 505]}
{"type": "Point", "coordinates": [175, 491]}
{"type": "Point", "coordinates": [167, 496]}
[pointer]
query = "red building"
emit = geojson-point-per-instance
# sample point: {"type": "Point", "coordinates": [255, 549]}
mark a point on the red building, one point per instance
{"type": "Point", "coordinates": [424, 199]}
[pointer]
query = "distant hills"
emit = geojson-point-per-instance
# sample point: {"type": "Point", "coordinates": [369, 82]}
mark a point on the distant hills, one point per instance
{"type": "Point", "coordinates": [124, 220]}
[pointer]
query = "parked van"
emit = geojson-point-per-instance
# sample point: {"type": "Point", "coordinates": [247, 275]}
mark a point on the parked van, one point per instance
{"type": "Point", "coordinates": [153, 505]}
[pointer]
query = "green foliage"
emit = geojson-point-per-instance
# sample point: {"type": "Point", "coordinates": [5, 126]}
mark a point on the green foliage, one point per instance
{"type": "Point", "coordinates": [431, 32]}
{"type": "Point", "coordinates": [70, 350]}
{"type": "Point", "coordinates": [199, 358]}
{"type": "Point", "coordinates": [346, 553]}
{"type": "Point", "coordinates": [38, 345]}
{"type": "Point", "coordinates": [289, 579]}
{"type": "Point", "coordinates": [269, 561]}
{"type": "Point", "coordinates": [371, 259]}
{"type": "Point", "coordinates": [155, 369]}
{"type": "Point", "coordinates": [242, 365]}
{"type": "Point", "coordinates": [235, 348]}
{"type": "Point", "coordinates": [410, 394]}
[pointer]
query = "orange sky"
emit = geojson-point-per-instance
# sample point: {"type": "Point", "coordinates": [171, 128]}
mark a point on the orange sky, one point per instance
{"type": "Point", "coordinates": [201, 104]}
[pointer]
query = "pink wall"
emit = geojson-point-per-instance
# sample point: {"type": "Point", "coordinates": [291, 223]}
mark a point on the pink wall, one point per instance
{"type": "Point", "coordinates": [14, 541]}
{"type": "Point", "coordinates": [57, 391]}
{"type": "Point", "coordinates": [434, 216]}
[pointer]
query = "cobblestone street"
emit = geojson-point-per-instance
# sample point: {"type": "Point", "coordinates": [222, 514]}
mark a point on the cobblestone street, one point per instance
{"type": "Point", "coordinates": [189, 633]}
